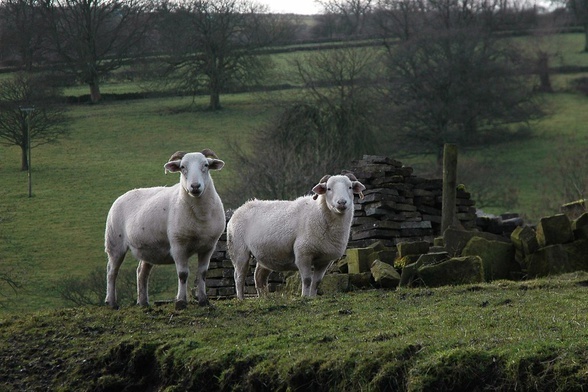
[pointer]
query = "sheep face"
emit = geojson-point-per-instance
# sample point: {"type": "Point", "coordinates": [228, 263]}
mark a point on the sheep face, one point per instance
{"type": "Point", "coordinates": [194, 168]}
{"type": "Point", "coordinates": [338, 192]}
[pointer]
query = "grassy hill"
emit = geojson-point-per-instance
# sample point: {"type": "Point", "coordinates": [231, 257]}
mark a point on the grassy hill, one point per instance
{"type": "Point", "coordinates": [526, 336]}
{"type": "Point", "coordinates": [120, 145]}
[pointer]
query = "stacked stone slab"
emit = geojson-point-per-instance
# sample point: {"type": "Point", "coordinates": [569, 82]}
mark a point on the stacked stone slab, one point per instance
{"type": "Point", "coordinates": [557, 246]}
{"type": "Point", "coordinates": [399, 206]}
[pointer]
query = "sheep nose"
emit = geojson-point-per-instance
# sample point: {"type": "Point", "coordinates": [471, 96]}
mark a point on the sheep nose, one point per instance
{"type": "Point", "coordinates": [342, 204]}
{"type": "Point", "coordinates": [196, 187]}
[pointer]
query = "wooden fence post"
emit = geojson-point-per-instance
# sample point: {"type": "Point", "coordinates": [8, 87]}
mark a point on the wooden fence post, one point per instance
{"type": "Point", "coordinates": [448, 216]}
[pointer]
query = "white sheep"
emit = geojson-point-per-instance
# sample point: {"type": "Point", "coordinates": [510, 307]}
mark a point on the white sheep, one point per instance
{"type": "Point", "coordinates": [306, 234]}
{"type": "Point", "coordinates": [167, 225]}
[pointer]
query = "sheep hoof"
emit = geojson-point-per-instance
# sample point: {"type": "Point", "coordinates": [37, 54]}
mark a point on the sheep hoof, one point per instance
{"type": "Point", "coordinates": [181, 305]}
{"type": "Point", "coordinates": [204, 302]}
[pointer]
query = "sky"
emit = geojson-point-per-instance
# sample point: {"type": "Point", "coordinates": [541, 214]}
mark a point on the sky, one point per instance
{"type": "Point", "coordinates": [303, 7]}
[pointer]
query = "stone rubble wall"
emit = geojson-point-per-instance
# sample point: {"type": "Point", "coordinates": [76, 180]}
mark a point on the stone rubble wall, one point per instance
{"type": "Point", "coordinates": [398, 206]}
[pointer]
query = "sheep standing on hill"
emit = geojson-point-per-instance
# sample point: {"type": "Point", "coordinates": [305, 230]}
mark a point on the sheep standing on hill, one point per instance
{"type": "Point", "coordinates": [167, 225]}
{"type": "Point", "coordinates": [306, 234]}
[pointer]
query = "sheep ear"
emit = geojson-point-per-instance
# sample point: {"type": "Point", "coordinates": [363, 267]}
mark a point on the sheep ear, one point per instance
{"type": "Point", "coordinates": [172, 166]}
{"type": "Point", "coordinates": [320, 189]}
{"type": "Point", "coordinates": [215, 164]}
{"type": "Point", "coordinates": [358, 187]}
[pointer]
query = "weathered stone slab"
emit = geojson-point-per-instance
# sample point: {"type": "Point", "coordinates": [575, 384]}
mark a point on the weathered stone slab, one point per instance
{"type": "Point", "coordinates": [359, 259]}
{"type": "Point", "coordinates": [556, 229]}
{"type": "Point", "coordinates": [458, 270]}
{"type": "Point", "coordinates": [375, 233]}
{"type": "Point", "coordinates": [549, 260]}
{"type": "Point", "coordinates": [580, 227]}
{"type": "Point", "coordinates": [455, 240]}
{"type": "Point", "coordinates": [525, 242]}
{"type": "Point", "coordinates": [385, 275]}
{"type": "Point", "coordinates": [362, 281]}
{"type": "Point", "coordinates": [432, 258]}
{"type": "Point", "coordinates": [498, 258]}
{"type": "Point", "coordinates": [577, 252]}
{"type": "Point", "coordinates": [334, 283]}
{"type": "Point", "coordinates": [412, 248]}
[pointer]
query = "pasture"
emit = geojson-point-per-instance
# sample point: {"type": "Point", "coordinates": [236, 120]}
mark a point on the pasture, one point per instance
{"type": "Point", "coordinates": [120, 145]}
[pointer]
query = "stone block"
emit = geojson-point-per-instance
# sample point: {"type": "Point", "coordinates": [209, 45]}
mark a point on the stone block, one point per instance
{"type": "Point", "coordinates": [362, 281]}
{"type": "Point", "coordinates": [412, 248]}
{"type": "Point", "coordinates": [385, 275]}
{"type": "Point", "coordinates": [549, 260]}
{"type": "Point", "coordinates": [334, 283]}
{"type": "Point", "coordinates": [498, 258]}
{"type": "Point", "coordinates": [432, 258]}
{"type": "Point", "coordinates": [580, 227]}
{"type": "Point", "coordinates": [525, 242]}
{"type": "Point", "coordinates": [556, 229]}
{"type": "Point", "coordinates": [455, 240]}
{"type": "Point", "coordinates": [577, 253]}
{"type": "Point", "coordinates": [359, 259]}
{"type": "Point", "coordinates": [458, 270]}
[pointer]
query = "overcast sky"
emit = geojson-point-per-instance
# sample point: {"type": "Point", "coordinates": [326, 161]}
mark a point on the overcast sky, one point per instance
{"type": "Point", "coordinates": [303, 7]}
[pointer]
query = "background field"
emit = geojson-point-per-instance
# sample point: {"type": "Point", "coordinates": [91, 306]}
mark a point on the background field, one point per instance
{"type": "Point", "coordinates": [119, 145]}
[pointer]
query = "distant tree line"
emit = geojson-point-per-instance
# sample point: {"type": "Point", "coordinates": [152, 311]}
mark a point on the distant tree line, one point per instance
{"type": "Point", "coordinates": [436, 71]}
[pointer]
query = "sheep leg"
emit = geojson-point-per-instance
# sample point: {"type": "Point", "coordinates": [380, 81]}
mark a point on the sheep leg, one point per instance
{"type": "Point", "coordinates": [203, 263]}
{"type": "Point", "coordinates": [305, 269]}
{"type": "Point", "coordinates": [241, 265]}
{"type": "Point", "coordinates": [261, 275]}
{"type": "Point", "coordinates": [143, 271]}
{"type": "Point", "coordinates": [317, 278]}
{"type": "Point", "coordinates": [181, 260]}
{"type": "Point", "coordinates": [114, 263]}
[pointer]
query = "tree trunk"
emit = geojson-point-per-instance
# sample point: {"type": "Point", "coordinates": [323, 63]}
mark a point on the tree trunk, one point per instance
{"type": "Point", "coordinates": [214, 101]}
{"type": "Point", "coordinates": [95, 95]}
{"type": "Point", "coordinates": [543, 71]}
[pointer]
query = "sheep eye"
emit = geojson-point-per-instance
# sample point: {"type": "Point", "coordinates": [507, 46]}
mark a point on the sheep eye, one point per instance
{"type": "Point", "coordinates": [206, 165]}
{"type": "Point", "coordinates": [328, 189]}
{"type": "Point", "coordinates": [182, 167]}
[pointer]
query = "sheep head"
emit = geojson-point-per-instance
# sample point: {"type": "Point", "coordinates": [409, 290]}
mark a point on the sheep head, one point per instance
{"type": "Point", "coordinates": [357, 186]}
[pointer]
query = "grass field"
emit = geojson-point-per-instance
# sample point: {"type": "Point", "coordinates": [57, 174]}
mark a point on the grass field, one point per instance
{"type": "Point", "coordinates": [117, 146]}
{"type": "Point", "coordinates": [505, 336]}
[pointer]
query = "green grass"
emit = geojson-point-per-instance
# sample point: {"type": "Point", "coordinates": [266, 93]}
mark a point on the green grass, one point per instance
{"type": "Point", "coordinates": [120, 145]}
{"type": "Point", "coordinates": [502, 336]}
{"type": "Point", "coordinates": [113, 148]}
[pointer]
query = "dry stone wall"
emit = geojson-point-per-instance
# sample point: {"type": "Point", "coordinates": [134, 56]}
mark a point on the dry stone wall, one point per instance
{"type": "Point", "coordinates": [398, 206]}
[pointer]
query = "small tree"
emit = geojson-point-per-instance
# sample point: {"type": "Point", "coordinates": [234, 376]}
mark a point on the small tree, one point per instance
{"type": "Point", "coordinates": [321, 132]}
{"type": "Point", "coordinates": [22, 32]}
{"type": "Point", "coordinates": [93, 38]}
{"type": "Point", "coordinates": [457, 86]}
{"type": "Point", "coordinates": [580, 10]}
{"type": "Point", "coordinates": [47, 123]}
{"type": "Point", "coordinates": [212, 46]}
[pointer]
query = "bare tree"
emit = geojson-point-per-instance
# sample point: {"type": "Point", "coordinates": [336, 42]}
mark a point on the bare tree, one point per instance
{"type": "Point", "coordinates": [455, 81]}
{"type": "Point", "coordinates": [319, 132]}
{"type": "Point", "coordinates": [214, 45]}
{"type": "Point", "coordinates": [342, 83]}
{"type": "Point", "coordinates": [47, 123]}
{"type": "Point", "coordinates": [93, 38]}
{"type": "Point", "coordinates": [22, 33]}
{"type": "Point", "coordinates": [351, 15]}
{"type": "Point", "coordinates": [580, 10]}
